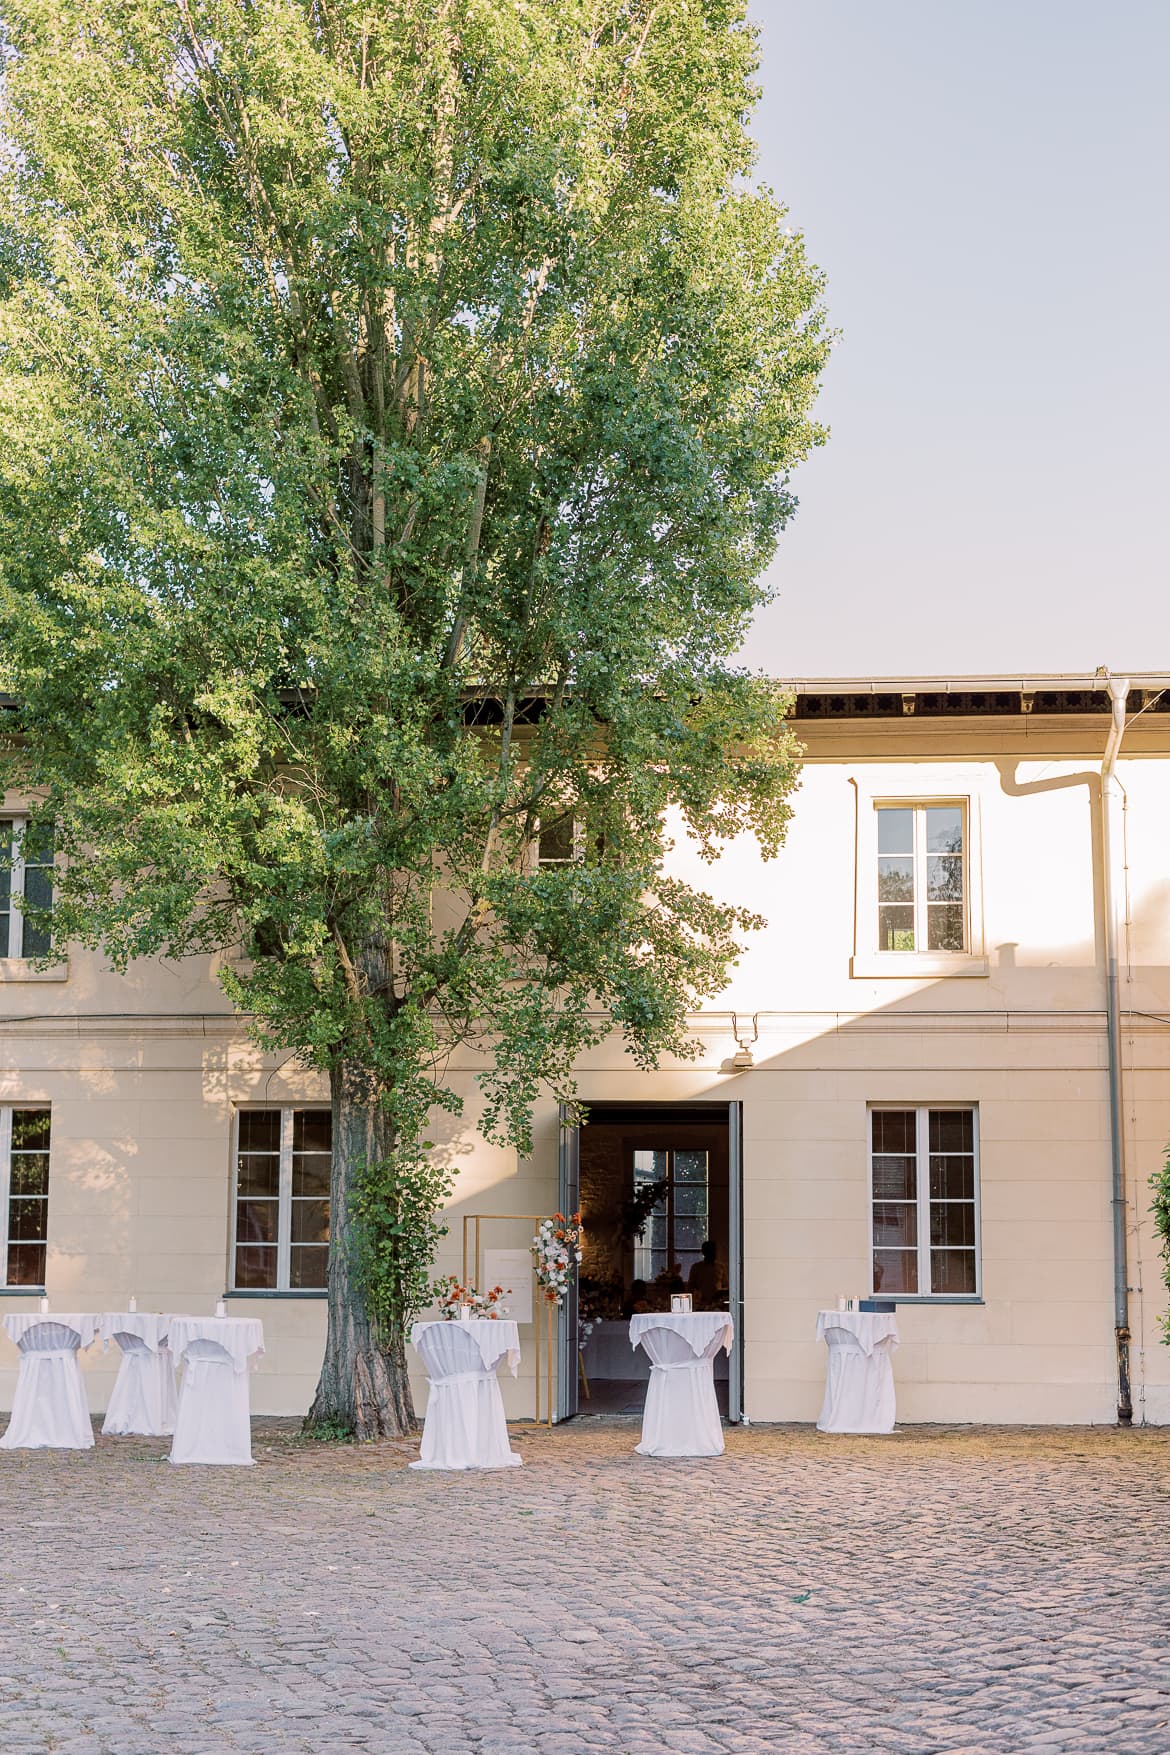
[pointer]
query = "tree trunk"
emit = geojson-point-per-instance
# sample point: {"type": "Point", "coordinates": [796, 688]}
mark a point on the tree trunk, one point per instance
{"type": "Point", "coordinates": [364, 1387]}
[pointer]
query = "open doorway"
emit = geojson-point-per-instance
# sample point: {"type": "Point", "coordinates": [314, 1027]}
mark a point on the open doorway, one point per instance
{"type": "Point", "coordinates": [656, 1198]}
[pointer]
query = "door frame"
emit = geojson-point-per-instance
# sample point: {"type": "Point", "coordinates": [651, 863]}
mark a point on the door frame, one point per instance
{"type": "Point", "coordinates": [568, 1200]}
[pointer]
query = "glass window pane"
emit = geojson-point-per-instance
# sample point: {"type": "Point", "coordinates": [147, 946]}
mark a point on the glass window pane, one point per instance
{"type": "Point", "coordinates": [310, 1173]}
{"type": "Point", "coordinates": [5, 928]}
{"type": "Point", "coordinates": [952, 1130]}
{"type": "Point", "coordinates": [894, 1130]}
{"type": "Point", "coordinates": [256, 1221]}
{"type": "Point", "coordinates": [689, 1235]}
{"type": "Point", "coordinates": [308, 1267]}
{"type": "Point", "coordinates": [895, 928]}
{"type": "Point", "coordinates": [895, 878]}
{"type": "Point", "coordinates": [952, 1271]}
{"type": "Point", "coordinates": [312, 1130]}
{"type": "Point", "coordinates": [952, 1178]}
{"type": "Point", "coordinates": [944, 927]}
{"type": "Point", "coordinates": [255, 1268]}
{"type": "Point", "coordinates": [26, 1264]}
{"type": "Point", "coordinates": [895, 1270]}
{"type": "Point", "coordinates": [259, 1130]}
{"type": "Point", "coordinates": [690, 1198]}
{"type": "Point", "coordinates": [30, 1173]}
{"type": "Point", "coordinates": [895, 1223]}
{"type": "Point", "coordinates": [894, 1178]}
{"type": "Point", "coordinates": [952, 1224]}
{"type": "Point", "coordinates": [557, 842]}
{"type": "Point", "coordinates": [30, 1130]}
{"type": "Point", "coordinates": [258, 1173]}
{"type": "Point", "coordinates": [37, 845]}
{"type": "Point", "coordinates": [27, 1220]}
{"type": "Point", "coordinates": [944, 879]}
{"type": "Point", "coordinates": [895, 828]}
{"type": "Point", "coordinates": [310, 1221]}
{"type": "Point", "coordinates": [648, 1167]}
{"type": "Point", "coordinates": [690, 1166]}
{"type": "Point", "coordinates": [944, 828]}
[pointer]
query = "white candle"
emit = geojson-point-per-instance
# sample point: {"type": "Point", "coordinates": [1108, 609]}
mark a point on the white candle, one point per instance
{"type": "Point", "coordinates": [464, 1313]}
{"type": "Point", "coordinates": [842, 1301]}
{"type": "Point", "coordinates": [133, 1303]}
{"type": "Point", "coordinates": [221, 1308]}
{"type": "Point", "coordinates": [44, 1306]}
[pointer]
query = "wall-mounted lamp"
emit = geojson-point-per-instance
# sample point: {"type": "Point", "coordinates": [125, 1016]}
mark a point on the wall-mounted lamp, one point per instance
{"type": "Point", "coordinates": [743, 1060]}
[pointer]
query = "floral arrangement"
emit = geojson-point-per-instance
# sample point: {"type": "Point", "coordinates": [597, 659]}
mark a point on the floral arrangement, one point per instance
{"type": "Point", "coordinates": [556, 1251]}
{"type": "Point", "coordinates": [449, 1295]}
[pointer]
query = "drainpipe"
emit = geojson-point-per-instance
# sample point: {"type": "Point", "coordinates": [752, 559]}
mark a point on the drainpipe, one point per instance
{"type": "Point", "coordinates": [1118, 692]}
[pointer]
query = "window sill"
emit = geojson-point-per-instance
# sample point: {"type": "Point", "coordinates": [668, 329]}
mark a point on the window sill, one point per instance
{"type": "Point", "coordinates": [927, 1299]}
{"type": "Point", "coordinates": [17, 969]}
{"type": "Point", "coordinates": [22, 1292]}
{"type": "Point", "coordinates": [916, 965]}
{"type": "Point", "coordinates": [309, 1292]}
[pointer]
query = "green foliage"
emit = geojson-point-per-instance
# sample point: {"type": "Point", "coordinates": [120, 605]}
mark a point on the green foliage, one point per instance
{"type": "Point", "coordinates": [1160, 1207]}
{"type": "Point", "coordinates": [398, 405]}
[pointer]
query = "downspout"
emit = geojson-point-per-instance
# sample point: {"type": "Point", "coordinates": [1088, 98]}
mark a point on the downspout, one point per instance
{"type": "Point", "coordinates": [1118, 693]}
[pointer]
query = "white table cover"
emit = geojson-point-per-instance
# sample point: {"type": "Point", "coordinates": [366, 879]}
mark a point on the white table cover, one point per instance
{"type": "Point", "coordinates": [464, 1427]}
{"type": "Point", "coordinates": [143, 1400]}
{"type": "Point", "coordinates": [213, 1423]}
{"type": "Point", "coordinates": [859, 1384]}
{"type": "Point", "coordinates": [49, 1410]}
{"type": "Point", "coordinates": [681, 1417]}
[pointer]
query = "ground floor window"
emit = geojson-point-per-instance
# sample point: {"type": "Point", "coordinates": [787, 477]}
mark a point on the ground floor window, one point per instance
{"type": "Point", "coordinates": [24, 1195]}
{"type": "Point", "coordinates": [284, 1158]}
{"type": "Point", "coordinates": [924, 1173]}
{"type": "Point", "coordinates": [678, 1222]}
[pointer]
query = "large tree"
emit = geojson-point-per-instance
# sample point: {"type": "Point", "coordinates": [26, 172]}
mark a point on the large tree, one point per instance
{"type": "Point", "coordinates": [397, 407]}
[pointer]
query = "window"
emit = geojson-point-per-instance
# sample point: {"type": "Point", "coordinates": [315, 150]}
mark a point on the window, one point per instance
{"type": "Point", "coordinates": [677, 1224]}
{"type": "Point", "coordinates": [921, 888]}
{"type": "Point", "coordinates": [24, 1195]}
{"type": "Point", "coordinates": [925, 1180]}
{"type": "Point", "coordinates": [562, 843]}
{"type": "Point", "coordinates": [26, 874]}
{"type": "Point", "coordinates": [284, 1158]}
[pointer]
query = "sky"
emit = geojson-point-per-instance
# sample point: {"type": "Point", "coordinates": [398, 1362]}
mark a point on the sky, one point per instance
{"type": "Point", "coordinates": [984, 183]}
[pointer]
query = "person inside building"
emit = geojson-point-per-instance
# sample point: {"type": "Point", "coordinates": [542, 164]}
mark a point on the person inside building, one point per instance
{"type": "Point", "coordinates": [705, 1280]}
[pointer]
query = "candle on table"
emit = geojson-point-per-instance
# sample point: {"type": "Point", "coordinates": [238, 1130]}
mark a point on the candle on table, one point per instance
{"type": "Point", "coordinates": [133, 1303]}
{"type": "Point", "coordinates": [44, 1306]}
{"type": "Point", "coordinates": [221, 1308]}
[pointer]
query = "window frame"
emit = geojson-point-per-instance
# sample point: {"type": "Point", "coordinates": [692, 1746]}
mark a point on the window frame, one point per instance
{"type": "Point", "coordinates": [922, 1113]}
{"type": "Point", "coordinates": [6, 1113]}
{"type": "Point", "coordinates": [576, 857]}
{"type": "Point", "coordinates": [15, 952]}
{"type": "Point", "coordinates": [868, 960]}
{"type": "Point", "coordinates": [282, 1288]}
{"type": "Point", "coordinates": [672, 1183]}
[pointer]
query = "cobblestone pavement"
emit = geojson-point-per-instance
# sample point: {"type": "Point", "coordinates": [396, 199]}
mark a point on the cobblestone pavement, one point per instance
{"type": "Point", "coordinates": [973, 1591]}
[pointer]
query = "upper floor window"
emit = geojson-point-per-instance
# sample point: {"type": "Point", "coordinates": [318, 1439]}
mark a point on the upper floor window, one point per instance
{"type": "Point", "coordinates": [24, 1195]}
{"type": "Point", "coordinates": [924, 1175]}
{"type": "Point", "coordinates": [921, 877]}
{"type": "Point", "coordinates": [284, 1158]}
{"type": "Point", "coordinates": [26, 875]}
{"type": "Point", "coordinates": [561, 843]}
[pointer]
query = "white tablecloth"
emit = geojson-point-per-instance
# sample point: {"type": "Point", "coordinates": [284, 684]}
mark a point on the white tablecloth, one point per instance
{"type": "Point", "coordinates": [464, 1426]}
{"type": "Point", "coordinates": [143, 1401]}
{"type": "Point", "coordinates": [241, 1336]}
{"type": "Point", "coordinates": [213, 1423]}
{"type": "Point", "coordinates": [681, 1417]}
{"type": "Point", "coordinates": [49, 1410]}
{"type": "Point", "coordinates": [859, 1384]}
{"type": "Point", "coordinates": [496, 1337]}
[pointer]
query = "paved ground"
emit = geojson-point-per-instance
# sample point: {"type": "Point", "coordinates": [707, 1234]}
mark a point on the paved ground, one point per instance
{"type": "Point", "coordinates": [944, 1590]}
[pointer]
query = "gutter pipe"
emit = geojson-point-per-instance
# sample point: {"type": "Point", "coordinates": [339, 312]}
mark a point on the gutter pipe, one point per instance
{"type": "Point", "coordinates": [1118, 693]}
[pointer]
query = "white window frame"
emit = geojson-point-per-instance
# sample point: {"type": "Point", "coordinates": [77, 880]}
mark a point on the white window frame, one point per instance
{"type": "Point", "coordinates": [282, 1287]}
{"type": "Point", "coordinates": [922, 1113]}
{"type": "Point", "coordinates": [868, 960]}
{"type": "Point", "coordinates": [14, 965]}
{"type": "Point", "coordinates": [6, 1110]}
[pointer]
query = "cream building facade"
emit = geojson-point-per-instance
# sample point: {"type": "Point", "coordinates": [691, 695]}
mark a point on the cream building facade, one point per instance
{"type": "Point", "coordinates": [942, 1068]}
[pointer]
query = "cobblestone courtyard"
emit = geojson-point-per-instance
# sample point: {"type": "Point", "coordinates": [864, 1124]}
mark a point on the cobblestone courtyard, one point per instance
{"type": "Point", "coordinates": [942, 1590]}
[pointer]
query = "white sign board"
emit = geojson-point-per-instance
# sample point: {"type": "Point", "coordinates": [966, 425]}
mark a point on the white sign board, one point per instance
{"type": "Point", "coordinates": [512, 1269]}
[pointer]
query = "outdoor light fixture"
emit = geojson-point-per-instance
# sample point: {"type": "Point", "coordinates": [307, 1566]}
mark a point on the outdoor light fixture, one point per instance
{"type": "Point", "coordinates": [743, 1060]}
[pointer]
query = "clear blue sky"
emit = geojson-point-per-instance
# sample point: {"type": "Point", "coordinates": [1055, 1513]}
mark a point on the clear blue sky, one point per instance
{"type": "Point", "coordinates": [986, 185]}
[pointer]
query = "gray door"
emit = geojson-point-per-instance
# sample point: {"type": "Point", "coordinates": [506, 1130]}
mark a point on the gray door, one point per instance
{"type": "Point", "coordinates": [735, 1256]}
{"type": "Point", "coordinates": [568, 1200]}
